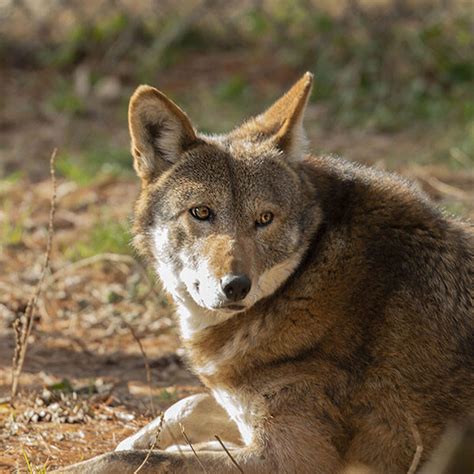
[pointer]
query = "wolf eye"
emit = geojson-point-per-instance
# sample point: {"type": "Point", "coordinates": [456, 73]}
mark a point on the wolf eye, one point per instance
{"type": "Point", "coordinates": [202, 213]}
{"type": "Point", "coordinates": [264, 219]}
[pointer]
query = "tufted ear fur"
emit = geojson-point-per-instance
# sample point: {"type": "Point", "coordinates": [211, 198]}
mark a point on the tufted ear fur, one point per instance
{"type": "Point", "coordinates": [283, 121]}
{"type": "Point", "coordinates": [160, 132]}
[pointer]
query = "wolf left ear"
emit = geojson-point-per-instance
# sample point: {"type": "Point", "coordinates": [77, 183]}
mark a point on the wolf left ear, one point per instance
{"type": "Point", "coordinates": [160, 131]}
{"type": "Point", "coordinates": [283, 121]}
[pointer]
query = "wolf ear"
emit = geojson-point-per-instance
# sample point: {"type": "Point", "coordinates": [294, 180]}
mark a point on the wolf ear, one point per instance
{"type": "Point", "coordinates": [283, 121]}
{"type": "Point", "coordinates": [160, 131]}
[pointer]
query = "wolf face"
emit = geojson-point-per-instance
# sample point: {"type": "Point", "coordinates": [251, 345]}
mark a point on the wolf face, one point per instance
{"type": "Point", "coordinates": [225, 218]}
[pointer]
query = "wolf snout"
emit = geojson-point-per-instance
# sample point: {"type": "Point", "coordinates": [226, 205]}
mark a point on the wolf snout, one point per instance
{"type": "Point", "coordinates": [236, 287]}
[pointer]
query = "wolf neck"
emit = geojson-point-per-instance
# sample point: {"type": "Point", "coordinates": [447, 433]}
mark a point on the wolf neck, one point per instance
{"type": "Point", "coordinates": [216, 348]}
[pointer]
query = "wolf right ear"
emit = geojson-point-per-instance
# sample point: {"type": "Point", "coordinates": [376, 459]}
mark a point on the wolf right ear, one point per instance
{"type": "Point", "coordinates": [160, 131]}
{"type": "Point", "coordinates": [282, 123]}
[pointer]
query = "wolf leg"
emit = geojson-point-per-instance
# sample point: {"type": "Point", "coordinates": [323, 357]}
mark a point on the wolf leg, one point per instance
{"type": "Point", "coordinates": [287, 444]}
{"type": "Point", "coordinates": [158, 462]}
{"type": "Point", "coordinates": [250, 460]}
{"type": "Point", "coordinates": [201, 417]}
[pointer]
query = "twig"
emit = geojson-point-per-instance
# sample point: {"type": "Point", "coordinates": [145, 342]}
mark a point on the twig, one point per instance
{"type": "Point", "coordinates": [228, 454]}
{"type": "Point", "coordinates": [185, 436]}
{"type": "Point", "coordinates": [160, 426]}
{"type": "Point", "coordinates": [152, 447]}
{"type": "Point", "coordinates": [147, 366]}
{"type": "Point", "coordinates": [176, 442]}
{"type": "Point", "coordinates": [24, 325]}
{"type": "Point", "coordinates": [85, 262]}
{"type": "Point", "coordinates": [101, 257]}
{"type": "Point", "coordinates": [419, 446]}
{"type": "Point", "coordinates": [148, 454]}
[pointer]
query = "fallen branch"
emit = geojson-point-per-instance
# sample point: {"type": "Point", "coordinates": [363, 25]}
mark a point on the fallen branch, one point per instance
{"type": "Point", "coordinates": [24, 324]}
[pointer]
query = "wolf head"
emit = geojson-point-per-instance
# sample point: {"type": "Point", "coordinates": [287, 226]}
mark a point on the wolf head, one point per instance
{"type": "Point", "coordinates": [225, 218]}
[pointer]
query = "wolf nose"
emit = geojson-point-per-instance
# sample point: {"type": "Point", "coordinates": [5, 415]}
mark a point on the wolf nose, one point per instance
{"type": "Point", "coordinates": [236, 287]}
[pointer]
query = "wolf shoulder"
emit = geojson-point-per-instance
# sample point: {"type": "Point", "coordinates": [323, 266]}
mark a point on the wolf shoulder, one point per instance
{"type": "Point", "coordinates": [403, 240]}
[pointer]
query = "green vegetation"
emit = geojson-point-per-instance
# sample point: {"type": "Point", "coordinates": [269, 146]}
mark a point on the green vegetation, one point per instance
{"type": "Point", "coordinates": [29, 467]}
{"type": "Point", "coordinates": [167, 396]}
{"type": "Point", "coordinates": [457, 146]}
{"type": "Point", "coordinates": [94, 163]}
{"type": "Point", "coordinates": [85, 39]}
{"type": "Point", "coordinates": [377, 65]}
{"type": "Point", "coordinates": [455, 208]}
{"type": "Point", "coordinates": [64, 99]}
{"type": "Point", "coordinates": [389, 75]}
{"type": "Point", "coordinates": [106, 236]}
{"type": "Point", "coordinates": [10, 180]}
{"type": "Point", "coordinates": [384, 66]}
{"type": "Point", "coordinates": [462, 153]}
{"type": "Point", "coordinates": [12, 226]}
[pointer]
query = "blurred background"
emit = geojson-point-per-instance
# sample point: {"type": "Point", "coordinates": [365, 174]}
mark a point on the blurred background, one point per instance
{"type": "Point", "coordinates": [394, 88]}
{"type": "Point", "coordinates": [394, 78]}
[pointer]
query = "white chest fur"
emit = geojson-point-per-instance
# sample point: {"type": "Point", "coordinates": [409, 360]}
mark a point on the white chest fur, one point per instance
{"type": "Point", "coordinates": [239, 408]}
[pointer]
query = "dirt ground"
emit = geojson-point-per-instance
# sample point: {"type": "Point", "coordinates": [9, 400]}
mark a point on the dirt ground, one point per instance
{"type": "Point", "coordinates": [84, 386]}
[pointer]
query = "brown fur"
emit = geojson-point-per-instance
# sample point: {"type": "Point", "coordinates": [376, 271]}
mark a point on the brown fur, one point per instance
{"type": "Point", "coordinates": [371, 336]}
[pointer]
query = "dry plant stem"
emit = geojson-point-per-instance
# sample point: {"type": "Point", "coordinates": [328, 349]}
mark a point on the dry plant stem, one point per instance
{"type": "Point", "coordinates": [85, 262]}
{"type": "Point", "coordinates": [152, 447]}
{"type": "Point", "coordinates": [447, 189]}
{"type": "Point", "coordinates": [102, 257]}
{"type": "Point", "coordinates": [160, 427]}
{"type": "Point", "coordinates": [419, 447]}
{"type": "Point", "coordinates": [24, 325]}
{"type": "Point", "coordinates": [175, 441]}
{"type": "Point", "coordinates": [140, 467]}
{"type": "Point", "coordinates": [228, 454]}
{"type": "Point", "coordinates": [185, 436]}
{"type": "Point", "coordinates": [147, 367]}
